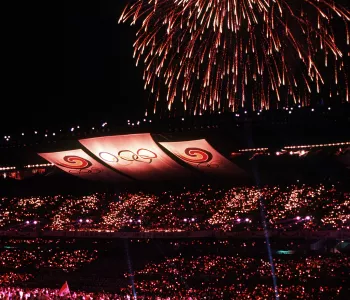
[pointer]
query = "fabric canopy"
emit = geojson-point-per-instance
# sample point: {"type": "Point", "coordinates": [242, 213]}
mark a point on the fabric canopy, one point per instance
{"type": "Point", "coordinates": [201, 155]}
{"type": "Point", "coordinates": [78, 163]}
{"type": "Point", "coordinates": [136, 155]}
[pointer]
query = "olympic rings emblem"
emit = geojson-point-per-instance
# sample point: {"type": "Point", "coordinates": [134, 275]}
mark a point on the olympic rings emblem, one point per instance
{"type": "Point", "coordinates": [128, 157]}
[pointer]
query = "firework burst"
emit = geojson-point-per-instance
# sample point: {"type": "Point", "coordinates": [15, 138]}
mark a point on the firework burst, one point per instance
{"type": "Point", "coordinates": [219, 55]}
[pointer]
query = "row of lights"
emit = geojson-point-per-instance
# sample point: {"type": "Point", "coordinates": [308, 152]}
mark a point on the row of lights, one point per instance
{"type": "Point", "coordinates": [7, 168]}
{"type": "Point", "coordinates": [253, 149]}
{"type": "Point", "coordinates": [247, 220]}
{"type": "Point", "coordinates": [137, 122]}
{"type": "Point", "coordinates": [27, 166]}
{"type": "Point", "coordinates": [39, 165]}
{"type": "Point", "coordinates": [297, 147]}
{"type": "Point", "coordinates": [289, 109]}
{"type": "Point", "coordinates": [318, 145]}
{"type": "Point", "coordinates": [7, 137]}
{"type": "Point", "coordinates": [301, 153]}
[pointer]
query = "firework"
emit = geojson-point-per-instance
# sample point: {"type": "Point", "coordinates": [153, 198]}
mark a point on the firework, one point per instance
{"type": "Point", "coordinates": [219, 55]}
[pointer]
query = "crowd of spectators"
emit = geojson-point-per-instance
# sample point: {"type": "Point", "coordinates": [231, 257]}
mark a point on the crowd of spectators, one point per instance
{"type": "Point", "coordinates": [294, 207]}
{"type": "Point", "coordinates": [234, 277]}
{"type": "Point", "coordinates": [190, 268]}
{"type": "Point", "coordinates": [47, 294]}
{"type": "Point", "coordinates": [213, 276]}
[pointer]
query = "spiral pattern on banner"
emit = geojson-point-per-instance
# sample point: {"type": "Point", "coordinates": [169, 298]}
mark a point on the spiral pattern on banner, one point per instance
{"type": "Point", "coordinates": [196, 155]}
{"type": "Point", "coordinates": [75, 162]}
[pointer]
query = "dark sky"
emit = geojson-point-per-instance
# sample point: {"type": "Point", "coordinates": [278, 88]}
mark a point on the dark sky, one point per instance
{"type": "Point", "coordinates": [68, 61]}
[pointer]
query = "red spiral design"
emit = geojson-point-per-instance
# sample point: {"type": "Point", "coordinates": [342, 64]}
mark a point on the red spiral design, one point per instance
{"type": "Point", "coordinates": [75, 162]}
{"type": "Point", "coordinates": [196, 155]}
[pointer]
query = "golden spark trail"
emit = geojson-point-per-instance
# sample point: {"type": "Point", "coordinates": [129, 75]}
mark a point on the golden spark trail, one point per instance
{"type": "Point", "coordinates": [221, 55]}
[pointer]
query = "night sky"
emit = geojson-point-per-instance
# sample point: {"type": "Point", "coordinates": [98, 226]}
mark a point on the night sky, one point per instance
{"type": "Point", "coordinates": [68, 63]}
{"type": "Point", "coordinates": [71, 64]}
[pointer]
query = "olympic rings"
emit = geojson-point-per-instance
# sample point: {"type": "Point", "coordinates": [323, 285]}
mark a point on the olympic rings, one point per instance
{"type": "Point", "coordinates": [141, 155]}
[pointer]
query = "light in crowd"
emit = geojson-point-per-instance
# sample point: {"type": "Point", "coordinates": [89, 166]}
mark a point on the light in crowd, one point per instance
{"type": "Point", "coordinates": [307, 218]}
{"type": "Point", "coordinates": [72, 129]}
{"type": "Point", "coordinates": [298, 218]}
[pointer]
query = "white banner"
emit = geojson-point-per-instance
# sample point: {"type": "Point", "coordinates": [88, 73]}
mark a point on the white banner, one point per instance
{"type": "Point", "coordinates": [78, 163]}
{"type": "Point", "coordinates": [136, 155]}
{"type": "Point", "coordinates": [201, 155]}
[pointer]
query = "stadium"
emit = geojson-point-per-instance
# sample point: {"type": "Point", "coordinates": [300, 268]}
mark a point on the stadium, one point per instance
{"type": "Point", "coordinates": [243, 204]}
